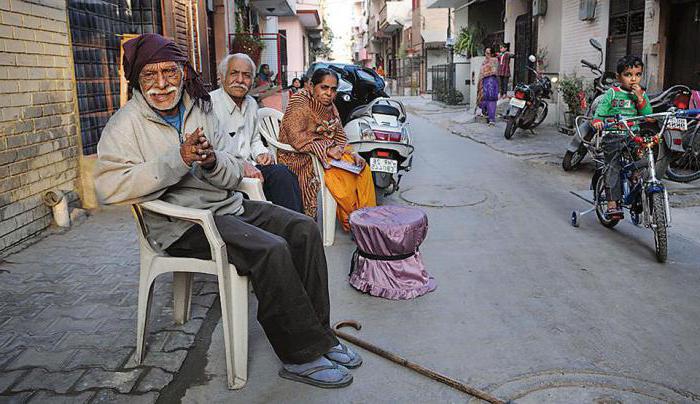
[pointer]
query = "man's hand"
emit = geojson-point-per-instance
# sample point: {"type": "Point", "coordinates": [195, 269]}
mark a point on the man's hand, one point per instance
{"type": "Point", "coordinates": [335, 152]}
{"type": "Point", "coordinates": [598, 125]}
{"type": "Point", "coordinates": [359, 161]}
{"type": "Point", "coordinates": [250, 171]}
{"type": "Point", "coordinates": [193, 149]}
{"type": "Point", "coordinates": [265, 159]}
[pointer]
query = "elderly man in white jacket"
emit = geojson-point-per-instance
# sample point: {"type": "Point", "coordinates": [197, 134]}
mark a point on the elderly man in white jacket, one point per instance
{"type": "Point", "coordinates": [164, 144]}
{"type": "Point", "coordinates": [237, 113]}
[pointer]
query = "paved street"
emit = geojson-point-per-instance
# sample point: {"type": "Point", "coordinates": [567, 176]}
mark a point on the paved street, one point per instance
{"type": "Point", "coordinates": [527, 307]}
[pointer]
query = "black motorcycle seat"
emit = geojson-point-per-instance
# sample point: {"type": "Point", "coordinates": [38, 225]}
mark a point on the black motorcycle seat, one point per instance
{"type": "Point", "coordinates": [386, 110]}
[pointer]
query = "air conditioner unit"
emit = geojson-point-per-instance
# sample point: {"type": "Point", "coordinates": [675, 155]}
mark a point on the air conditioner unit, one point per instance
{"type": "Point", "coordinates": [586, 10]}
{"type": "Point", "coordinates": [539, 8]}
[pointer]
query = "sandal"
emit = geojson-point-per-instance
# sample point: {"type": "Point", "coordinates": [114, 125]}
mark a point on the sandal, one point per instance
{"type": "Point", "coordinates": [354, 361]}
{"type": "Point", "coordinates": [306, 376]}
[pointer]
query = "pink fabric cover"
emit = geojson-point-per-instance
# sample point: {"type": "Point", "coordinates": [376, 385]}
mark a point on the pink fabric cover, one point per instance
{"type": "Point", "coordinates": [388, 231]}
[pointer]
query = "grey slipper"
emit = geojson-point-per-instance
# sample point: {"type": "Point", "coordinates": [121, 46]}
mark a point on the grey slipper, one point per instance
{"type": "Point", "coordinates": [355, 358]}
{"type": "Point", "coordinates": [305, 377]}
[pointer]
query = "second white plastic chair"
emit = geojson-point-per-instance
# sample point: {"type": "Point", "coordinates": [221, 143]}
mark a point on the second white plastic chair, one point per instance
{"type": "Point", "coordinates": [269, 120]}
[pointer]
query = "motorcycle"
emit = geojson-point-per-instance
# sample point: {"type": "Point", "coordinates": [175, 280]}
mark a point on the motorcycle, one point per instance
{"type": "Point", "coordinates": [527, 109]}
{"type": "Point", "coordinates": [644, 195]}
{"type": "Point", "coordinates": [676, 96]}
{"type": "Point", "coordinates": [379, 133]}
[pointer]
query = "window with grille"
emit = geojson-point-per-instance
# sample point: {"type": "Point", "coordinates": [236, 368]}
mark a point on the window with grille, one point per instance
{"type": "Point", "coordinates": [626, 32]}
{"type": "Point", "coordinates": [96, 26]}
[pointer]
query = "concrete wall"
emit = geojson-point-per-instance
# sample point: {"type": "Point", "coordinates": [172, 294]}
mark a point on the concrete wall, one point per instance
{"type": "Point", "coordinates": [549, 35]}
{"type": "Point", "coordinates": [514, 8]}
{"type": "Point", "coordinates": [295, 45]}
{"type": "Point", "coordinates": [38, 133]}
{"type": "Point", "coordinates": [575, 35]}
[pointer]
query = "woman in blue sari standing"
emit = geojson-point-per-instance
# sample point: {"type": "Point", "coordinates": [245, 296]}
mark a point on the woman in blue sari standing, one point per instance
{"type": "Point", "coordinates": [487, 92]}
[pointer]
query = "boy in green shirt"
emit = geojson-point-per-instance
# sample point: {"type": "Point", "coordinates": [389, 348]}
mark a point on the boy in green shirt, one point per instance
{"type": "Point", "coordinates": [629, 99]}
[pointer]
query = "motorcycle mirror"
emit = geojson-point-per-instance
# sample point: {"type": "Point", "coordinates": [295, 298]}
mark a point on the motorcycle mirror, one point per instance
{"type": "Point", "coordinates": [532, 58]}
{"type": "Point", "coordinates": [596, 44]}
{"type": "Point", "coordinates": [402, 119]}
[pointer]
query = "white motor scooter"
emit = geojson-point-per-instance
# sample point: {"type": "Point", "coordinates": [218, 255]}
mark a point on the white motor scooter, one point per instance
{"type": "Point", "coordinates": [379, 133]}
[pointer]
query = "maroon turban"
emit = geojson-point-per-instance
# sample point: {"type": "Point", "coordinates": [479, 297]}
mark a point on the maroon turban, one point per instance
{"type": "Point", "coordinates": [153, 48]}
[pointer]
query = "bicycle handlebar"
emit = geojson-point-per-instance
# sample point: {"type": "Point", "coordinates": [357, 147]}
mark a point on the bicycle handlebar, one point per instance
{"type": "Point", "coordinates": [688, 113]}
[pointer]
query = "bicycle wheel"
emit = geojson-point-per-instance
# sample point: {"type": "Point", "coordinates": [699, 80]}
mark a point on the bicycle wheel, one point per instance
{"type": "Point", "coordinates": [686, 167]}
{"type": "Point", "coordinates": [601, 204]}
{"type": "Point", "coordinates": [659, 225]}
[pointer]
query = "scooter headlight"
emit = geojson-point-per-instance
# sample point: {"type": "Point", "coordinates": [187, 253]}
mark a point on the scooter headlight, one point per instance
{"type": "Point", "coordinates": [346, 97]}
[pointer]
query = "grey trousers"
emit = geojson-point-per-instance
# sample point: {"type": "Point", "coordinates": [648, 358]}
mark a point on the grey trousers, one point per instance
{"type": "Point", "coordinates": [282, 254]}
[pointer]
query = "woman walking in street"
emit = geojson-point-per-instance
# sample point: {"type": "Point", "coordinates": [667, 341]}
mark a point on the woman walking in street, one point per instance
{"type": "Point", "coordinates": [487, 92]}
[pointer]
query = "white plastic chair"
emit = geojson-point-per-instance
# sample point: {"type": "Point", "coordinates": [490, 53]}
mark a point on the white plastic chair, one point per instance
{"type": "Point", "coordinates": [269, 125]}
{"type": "Point", "coordinates": [233, 289]}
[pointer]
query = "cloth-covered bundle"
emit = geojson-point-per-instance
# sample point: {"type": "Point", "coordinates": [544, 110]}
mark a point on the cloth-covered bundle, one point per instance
{"type": "Point", "coordinates": [387, 262]}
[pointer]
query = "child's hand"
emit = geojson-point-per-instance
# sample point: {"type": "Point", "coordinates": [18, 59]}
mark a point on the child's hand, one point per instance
{"type": "Point", "coordinates": [638, 91]}
{"type": "Point", "coordinates": [598, 125]}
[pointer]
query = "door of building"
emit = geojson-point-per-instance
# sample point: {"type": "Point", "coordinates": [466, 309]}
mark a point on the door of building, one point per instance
{"type": "Point", "coordinates": [683, 56]}
{"type": "Point", "coordinates": [523, 47]}
{"type": "Point", "coordinates": [626, 30]}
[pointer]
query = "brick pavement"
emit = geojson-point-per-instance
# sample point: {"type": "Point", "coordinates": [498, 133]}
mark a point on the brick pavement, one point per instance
{"type": "Point", "coordinates": [68, 318]}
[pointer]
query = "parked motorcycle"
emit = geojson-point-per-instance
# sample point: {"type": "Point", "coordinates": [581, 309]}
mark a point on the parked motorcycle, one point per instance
{"type": "Point", "coordinates": [379, 133]}
{"type": "Point", "coordinates": [677, 96]}
{"type": "Point", "coordinates": [527, 109]}
{"type": "Point", "coordinates": [357, 87]}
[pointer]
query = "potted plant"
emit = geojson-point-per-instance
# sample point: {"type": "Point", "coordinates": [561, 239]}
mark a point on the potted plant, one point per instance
{"type": "Point", "coordinates": [249, 44]}
{"type": "Point", "coordinates": [470, 40]}
{"type": "Point", "coordinates": [571, 89]}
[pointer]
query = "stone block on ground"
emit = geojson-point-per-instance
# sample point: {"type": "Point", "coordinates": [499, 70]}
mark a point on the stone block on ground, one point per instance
{"type": "Point", "coordinates": [7, 379]}
{"type": "Point", "coordinates": [50, 398]}
{"type": "Point", "coordinates": [155, 380]}
{"type": "Point", "coordinates": [40, 379]}
{"type": "Point", "coordinates": [109, 396]}
{"type": "Point", "coordinates": [98, 378]}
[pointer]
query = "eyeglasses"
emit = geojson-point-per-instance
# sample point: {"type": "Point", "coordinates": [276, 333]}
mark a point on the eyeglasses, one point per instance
{"type": "Point", "coordinates": [171, 74]}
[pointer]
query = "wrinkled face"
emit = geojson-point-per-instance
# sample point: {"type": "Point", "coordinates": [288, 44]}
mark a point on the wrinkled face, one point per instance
{"type": "Point", "coordinates": [325, 91]}
{"type": "Point", "coordinates": [161, 84]}
{"type": "Point", "coordinates": [630, 77]}
{"type": "Point", "coordinates": [239, 78]}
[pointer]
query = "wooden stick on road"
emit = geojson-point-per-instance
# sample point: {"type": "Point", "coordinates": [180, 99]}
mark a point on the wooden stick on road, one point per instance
{"type": "Point", "coordinates": [455, 384]}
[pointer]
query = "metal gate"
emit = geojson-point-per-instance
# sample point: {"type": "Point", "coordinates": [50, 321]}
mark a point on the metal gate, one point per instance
{"type": "Point", "coordinates": [407, 75]}
{"type": "Point", "coordinates": [443, 83]}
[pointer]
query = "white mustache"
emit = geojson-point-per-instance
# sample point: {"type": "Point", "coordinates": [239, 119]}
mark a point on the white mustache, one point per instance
{"type": "Point", "coordinates": [241, 86]}
{"type": "Point", "coordinates": [167, 90]}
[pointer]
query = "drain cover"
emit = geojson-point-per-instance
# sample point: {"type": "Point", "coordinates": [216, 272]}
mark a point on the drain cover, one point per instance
{"type": "Point", "coordinates": [560, 386]}
{"type": "Point", "coordinates": [444, 196]}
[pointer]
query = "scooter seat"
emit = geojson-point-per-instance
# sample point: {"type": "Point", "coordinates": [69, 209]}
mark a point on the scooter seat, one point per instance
{"type": "Point", "coordinates": [386, 110]}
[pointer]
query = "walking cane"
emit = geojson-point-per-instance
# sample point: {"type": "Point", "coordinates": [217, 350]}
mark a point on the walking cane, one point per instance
{"type": "Point", "coordinates": [455, 384]}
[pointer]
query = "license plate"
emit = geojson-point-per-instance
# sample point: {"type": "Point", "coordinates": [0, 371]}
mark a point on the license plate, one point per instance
{"type": "Point", "coordinates": [516, 102]}
{"type": "Point", "coordinates": [383, 165]}
{"type": "Point", "coordinates": [677, 124]}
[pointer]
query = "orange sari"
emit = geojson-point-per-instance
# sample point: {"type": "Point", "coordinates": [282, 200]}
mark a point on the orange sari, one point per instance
{"type": "Point", "coordinates": [311, 127]}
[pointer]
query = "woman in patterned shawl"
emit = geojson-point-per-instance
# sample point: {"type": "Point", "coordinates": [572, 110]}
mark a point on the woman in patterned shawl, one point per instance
{"type": "Point", "coordinates": [311, 125]}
